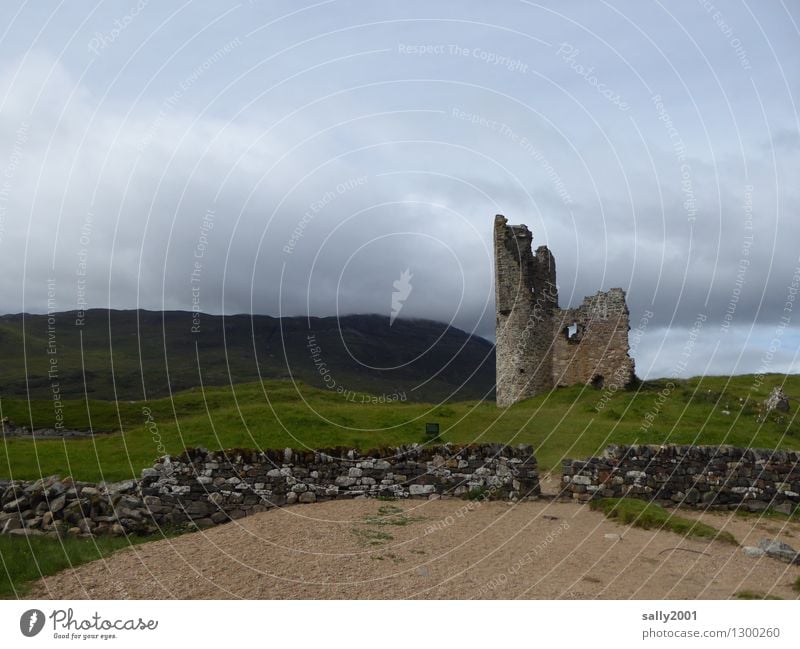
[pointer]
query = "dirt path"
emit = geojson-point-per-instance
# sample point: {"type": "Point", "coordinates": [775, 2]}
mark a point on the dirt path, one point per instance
{"type": "Point", "coordinates": [437, 549]}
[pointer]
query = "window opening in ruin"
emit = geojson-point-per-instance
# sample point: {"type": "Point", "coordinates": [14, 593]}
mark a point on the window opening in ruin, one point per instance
{"type": "Point", "coordinates": [598, 381]}
{"type": "Point", "coordinates": [573, 332]}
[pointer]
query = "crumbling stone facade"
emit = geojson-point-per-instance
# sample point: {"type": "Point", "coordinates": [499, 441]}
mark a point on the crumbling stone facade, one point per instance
{"type": "Point", "coordinates": [540, 346]}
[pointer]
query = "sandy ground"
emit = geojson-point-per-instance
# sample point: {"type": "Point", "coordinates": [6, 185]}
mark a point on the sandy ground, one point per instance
{"type": "Point", "coordinates": [441, 549]}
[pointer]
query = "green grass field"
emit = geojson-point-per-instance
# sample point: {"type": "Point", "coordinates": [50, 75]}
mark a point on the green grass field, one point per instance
{"type": "Point", "coordinates": [650, 516]}
{"type": "Point", "coordinates": [23, 560]}
{"type": "Point", "coordinates": [564, 423]}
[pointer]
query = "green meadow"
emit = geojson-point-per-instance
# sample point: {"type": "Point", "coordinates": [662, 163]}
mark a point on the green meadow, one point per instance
{"type": "Point", "coordinates": [22, 561]}
{"type": "Point", "coordinates": [570, 422]}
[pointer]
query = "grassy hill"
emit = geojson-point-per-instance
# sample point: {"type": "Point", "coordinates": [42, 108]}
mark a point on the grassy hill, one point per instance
{"type": "Point", "coordinates": [146, 354]}
{"type": "Point", "coordinates": [569, 422]}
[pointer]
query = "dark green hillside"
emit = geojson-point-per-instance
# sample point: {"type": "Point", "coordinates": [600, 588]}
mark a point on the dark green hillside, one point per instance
{"type": "Point", "coordinates": [136, 354]}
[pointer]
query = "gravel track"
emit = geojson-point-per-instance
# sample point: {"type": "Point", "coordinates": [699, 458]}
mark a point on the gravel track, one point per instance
{"type": "Point", "coordinates": [450, 549]}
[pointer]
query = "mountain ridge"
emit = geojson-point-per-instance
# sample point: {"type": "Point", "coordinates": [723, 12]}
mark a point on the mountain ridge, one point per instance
{"type": "Point", "coordinates": [140, 353]}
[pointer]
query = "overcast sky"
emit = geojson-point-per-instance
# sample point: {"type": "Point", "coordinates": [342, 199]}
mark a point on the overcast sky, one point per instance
{"type": "Point", "coordinates": [297, 158]}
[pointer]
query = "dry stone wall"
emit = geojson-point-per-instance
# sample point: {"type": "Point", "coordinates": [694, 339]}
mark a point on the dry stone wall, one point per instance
{"type": "Point", "coordinates": [204, 488]}
{"type": "Point", "coordinates": [718, 477]}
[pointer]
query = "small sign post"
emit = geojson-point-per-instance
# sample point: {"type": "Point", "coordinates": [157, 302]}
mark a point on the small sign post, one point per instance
{"type": "Point", "coordinates": [432, 430]}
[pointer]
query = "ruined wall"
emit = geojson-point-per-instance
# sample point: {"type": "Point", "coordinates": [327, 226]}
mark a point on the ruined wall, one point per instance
{"type": "Point", "coordinates": [716, 477]}
{"type": "Point", "coordinates": [590, 342]}
{"type": "Point", "coordinates": [534, 353]}
{"type": "Point", "coordinates": [204, 488]}
{"type": "Point", "coordinates": [525, 299]}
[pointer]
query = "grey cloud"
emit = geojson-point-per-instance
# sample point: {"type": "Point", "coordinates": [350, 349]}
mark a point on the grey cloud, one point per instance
{"type": "Point", "coordinates": [443, 141]}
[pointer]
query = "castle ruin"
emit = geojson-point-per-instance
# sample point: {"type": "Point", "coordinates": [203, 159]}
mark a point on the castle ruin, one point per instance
{"type": "Point", "coordinates": [540, 346]}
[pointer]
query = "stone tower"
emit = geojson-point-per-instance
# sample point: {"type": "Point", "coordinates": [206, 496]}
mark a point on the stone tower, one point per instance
{"type": "Point", "coordinates": [540, 346]}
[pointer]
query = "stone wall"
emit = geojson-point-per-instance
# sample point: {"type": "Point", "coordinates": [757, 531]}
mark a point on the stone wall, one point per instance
{"type": "Point", "coordinates": [698, 476]}
{"type": "Point", "coordinates": [525, 296]}
{"type": "Point", "coordinates": [590, 342]}
{"type": "Point", "coordinates": [10, 429]}
{"type": "Point", "coordinates": [205, 488]}
{"type": "Point", "coordinates": [535, 349]}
